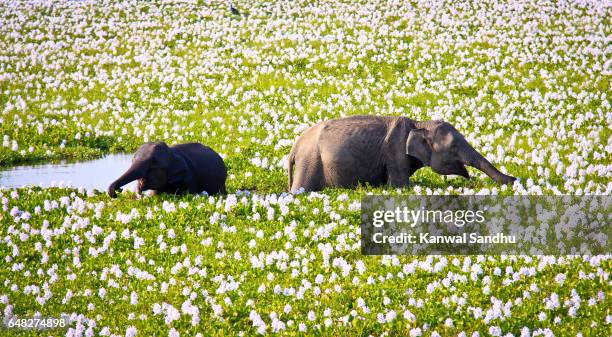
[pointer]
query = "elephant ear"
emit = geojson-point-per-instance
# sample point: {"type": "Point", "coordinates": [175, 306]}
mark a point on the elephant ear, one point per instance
{"type": "Point", "coordinates": [162, 155]}
{"type": "Point", "coordinates": [418, 145]}
{"type": "Point", "coordinates": [178, 171]}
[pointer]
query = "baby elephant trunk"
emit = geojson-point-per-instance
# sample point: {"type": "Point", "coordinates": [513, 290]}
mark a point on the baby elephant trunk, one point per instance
{"type": "Point", "coordinates": [133, 173]}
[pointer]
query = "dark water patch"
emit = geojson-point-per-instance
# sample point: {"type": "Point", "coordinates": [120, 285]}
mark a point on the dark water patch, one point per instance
{"type": "Point", "coordinates": [91, 174]}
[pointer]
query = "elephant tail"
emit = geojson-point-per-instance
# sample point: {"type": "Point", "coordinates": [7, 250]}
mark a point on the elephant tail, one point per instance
{"type": "Point", "coordinates": [291, 161]}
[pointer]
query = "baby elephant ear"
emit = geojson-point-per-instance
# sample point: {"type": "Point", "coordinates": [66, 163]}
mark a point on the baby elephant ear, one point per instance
{"type": "Point", "coordinates": [419, 146]}
{"type": "Point", "coordinates": [162, 154]}
{"type": "Point", "coordinates": [178, 171]}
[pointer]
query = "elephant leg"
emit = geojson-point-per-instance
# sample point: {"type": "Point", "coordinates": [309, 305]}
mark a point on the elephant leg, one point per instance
{"type": "Point", "coordinates": [399, 171]}
{"type": "Point", "coordinates": [308, 174]}
{"type": "Point", "coordinates": [398, 177]}
{"type": "Point", "coordinates": [415, 165]}
{"type": "Point", "coordinates": [394, 151]}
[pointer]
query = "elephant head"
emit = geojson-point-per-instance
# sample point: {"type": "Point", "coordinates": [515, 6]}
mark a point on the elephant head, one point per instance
{"type": "Point", "coordinates": [439, 145]}
{"type": "Point", "coordinates": [156, 167]}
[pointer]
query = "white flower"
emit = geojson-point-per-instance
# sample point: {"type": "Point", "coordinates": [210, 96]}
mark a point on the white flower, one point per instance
{"type": "Point", "coordinates": [390, 316]}
{"type": "Point", "coordinates": [415, 332]}
{"type": "Point", "coordinates": [560, 278]}
{"type": "Point", "coordinates": [542, 316]}
{"type": "Point", "coordinates": [130, 332]}
{"type": "Point", "coordinates": [495, 331]}
{"type": "Point", "coordinates": [173, 333]}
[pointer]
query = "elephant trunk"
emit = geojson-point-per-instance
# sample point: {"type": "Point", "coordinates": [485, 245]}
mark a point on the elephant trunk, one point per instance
{"type": "Point", "coordinates": [469, 156]}
{"type": "Point", "coordinates": [134, 172]}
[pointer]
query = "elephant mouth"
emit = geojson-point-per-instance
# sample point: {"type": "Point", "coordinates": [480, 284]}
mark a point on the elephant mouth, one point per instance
{"type": "Point", "coordinates": [451, 168]}
{"type": "Point", "coordinates": [143, 186]}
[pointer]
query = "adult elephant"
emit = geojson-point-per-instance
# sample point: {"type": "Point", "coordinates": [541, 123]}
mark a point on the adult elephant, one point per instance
{"type": "Point", "coordinates": [183, 168]}
{"type": "Point", "coordinates": [380, 150]}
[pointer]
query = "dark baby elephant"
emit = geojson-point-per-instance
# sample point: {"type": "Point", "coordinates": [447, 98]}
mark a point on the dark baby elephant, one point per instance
{"type": "Point", "coordinates": [183, 168]}
{"type": "Point", "coordinates": [380, 150]}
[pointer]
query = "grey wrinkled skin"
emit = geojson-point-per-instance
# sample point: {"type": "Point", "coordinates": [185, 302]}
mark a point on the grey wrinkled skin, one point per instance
{"type": "Point", "coordinates": [183, 168]}
{"type": "Point", "coordinates": [380, 150]}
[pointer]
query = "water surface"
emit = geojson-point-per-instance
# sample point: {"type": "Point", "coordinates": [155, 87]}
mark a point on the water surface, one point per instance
{"type": "Point", "coordinates": [92, 174]}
